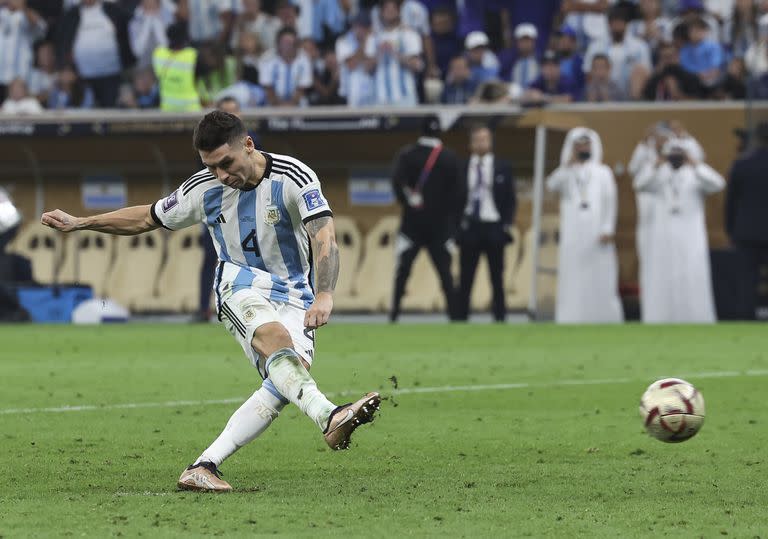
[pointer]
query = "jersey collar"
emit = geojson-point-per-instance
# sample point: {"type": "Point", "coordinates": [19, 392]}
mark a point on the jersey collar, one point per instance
{"type": "Point", "coordinates": [267, 172]}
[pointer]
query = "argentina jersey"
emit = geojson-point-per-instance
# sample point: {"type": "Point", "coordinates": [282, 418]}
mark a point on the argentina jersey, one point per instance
{"type": "Point", "coordinates": [394, 83]}
{"type": "Point", "coordinates": [259, 233]}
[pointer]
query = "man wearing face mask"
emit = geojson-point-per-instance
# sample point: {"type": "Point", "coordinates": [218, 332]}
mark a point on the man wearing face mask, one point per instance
{"type": "Point", "coordinates": [587, 273]}
{"type": "Point", "coordinates": [678, 282]}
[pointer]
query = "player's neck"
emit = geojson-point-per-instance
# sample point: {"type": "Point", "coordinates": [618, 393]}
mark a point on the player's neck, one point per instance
{"type": "Point", "coordinates": [259, 169]}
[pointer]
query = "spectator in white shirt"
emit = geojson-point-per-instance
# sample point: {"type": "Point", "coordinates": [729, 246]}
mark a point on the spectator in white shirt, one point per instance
{"type": "Point", "coordinates": [20, 27]}
{"type": "Point", "coordinates": [254, 21]}
{"type": "Point", "coordinates": [588, 18]}
{"type": "Point", "coordinates": [287, 74]}
{"type": "Point", "coordinates": [394, 57]}
{"type": "Point", "coordinates": [356, 83]}
{"type": "Point", "coordinates": [630, 57]}
{"type": "Point", "coordinates": [147, 28]}
{"type": "Point", "coordinates": [210, 20]}
{"type": "Point", "coordinates": [413, 15]}
{"type": "Point", "coordinates": [94, 36]}
{"type": "Point", "coordinates": [19, 101]}
{"type": "Point", "coordinates": [652, 26]}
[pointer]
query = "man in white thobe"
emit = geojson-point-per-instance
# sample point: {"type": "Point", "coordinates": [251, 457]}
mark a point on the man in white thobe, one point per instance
{"type": "Point", "coordinates": [678, 282]}
{"type": "Point", "coordinates": [587, 274]}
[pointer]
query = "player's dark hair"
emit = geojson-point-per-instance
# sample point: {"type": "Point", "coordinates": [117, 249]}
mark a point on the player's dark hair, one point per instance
{"type": "Point", "coordinates": [216, 129]}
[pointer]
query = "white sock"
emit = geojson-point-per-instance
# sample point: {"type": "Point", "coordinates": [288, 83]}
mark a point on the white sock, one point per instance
{"type": "Point", "coordinates": [246, 424]}
{"type": "Point", "coordinates": [285, 369]}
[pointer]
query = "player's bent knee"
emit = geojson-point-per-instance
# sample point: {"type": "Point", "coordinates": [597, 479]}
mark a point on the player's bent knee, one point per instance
{"type": "Point", "coordinates": [270, 338]}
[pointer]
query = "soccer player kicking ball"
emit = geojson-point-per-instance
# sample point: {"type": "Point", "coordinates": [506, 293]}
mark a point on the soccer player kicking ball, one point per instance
{"type": "Point", "coordinates": [266, 214]}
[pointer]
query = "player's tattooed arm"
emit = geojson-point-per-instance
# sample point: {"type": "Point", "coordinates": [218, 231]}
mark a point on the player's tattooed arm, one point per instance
{"type": "Point", "coordinates": [322, 233]}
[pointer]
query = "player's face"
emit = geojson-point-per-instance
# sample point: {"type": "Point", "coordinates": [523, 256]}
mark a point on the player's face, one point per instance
{"type": "Point", "coordinates": [231, 164]}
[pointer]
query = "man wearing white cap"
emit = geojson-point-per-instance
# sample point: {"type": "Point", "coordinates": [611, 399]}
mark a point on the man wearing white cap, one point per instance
{"type": "Point", "coordinates": [525, 68]}
{"type": "Point", "coordinates": [482, 62]}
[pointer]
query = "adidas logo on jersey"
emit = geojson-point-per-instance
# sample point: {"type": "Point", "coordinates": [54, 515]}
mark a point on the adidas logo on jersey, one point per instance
{"type": "Point", "coordinates": [220, 219]}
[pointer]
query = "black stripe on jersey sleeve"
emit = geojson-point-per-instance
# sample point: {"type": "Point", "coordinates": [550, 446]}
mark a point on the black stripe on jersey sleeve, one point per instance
{"type": "Point", "coordinates": [305, 178]}
{"type": "Point", "coordinates": [194, 177]}
{"type": "Point", "coordinates": [289, 175]}
{"type": "Point", "coordinates": [195, 183]}
{"type": "Point", "coordinates": [325, 213]}
{"type": "Point", "coordinates": [155, 218]}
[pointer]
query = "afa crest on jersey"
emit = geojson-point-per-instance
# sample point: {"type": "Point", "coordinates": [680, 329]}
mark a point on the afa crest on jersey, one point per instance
{"type": "Point", "coordinates": [272, 215]}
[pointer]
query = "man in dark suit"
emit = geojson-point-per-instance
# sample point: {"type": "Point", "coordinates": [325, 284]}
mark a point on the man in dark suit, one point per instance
{"type": "Point", "coordinates": [746, 218]}
{"type": "Point", "coordinates": [488, 199]}
{"type": "Point", "coordinates": [426, 182]}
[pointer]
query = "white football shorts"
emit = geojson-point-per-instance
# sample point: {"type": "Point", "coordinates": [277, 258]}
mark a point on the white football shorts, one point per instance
{"type": "Point", "coordinates": [244, 311]}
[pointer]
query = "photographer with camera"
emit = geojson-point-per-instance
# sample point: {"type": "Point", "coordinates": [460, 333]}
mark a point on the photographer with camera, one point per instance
{"type": "Point", "coordinates": [677, 275]}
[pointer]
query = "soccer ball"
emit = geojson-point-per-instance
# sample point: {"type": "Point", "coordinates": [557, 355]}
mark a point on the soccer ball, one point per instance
{"type": "Point", "coordinates": [672, 410]}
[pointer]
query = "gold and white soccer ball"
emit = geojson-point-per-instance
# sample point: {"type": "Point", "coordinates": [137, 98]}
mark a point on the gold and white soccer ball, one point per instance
{"type": "Point", "coordinates": [672, 410]}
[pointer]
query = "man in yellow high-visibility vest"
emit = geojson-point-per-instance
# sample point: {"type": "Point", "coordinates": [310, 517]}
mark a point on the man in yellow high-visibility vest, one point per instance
{"type": "Point", "coordinates": [175, 68]}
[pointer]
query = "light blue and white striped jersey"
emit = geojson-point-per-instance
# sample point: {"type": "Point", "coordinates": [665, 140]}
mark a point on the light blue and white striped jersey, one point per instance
{"type": "Point", "coordinates": [17, 35]}
{"type": "Point", "coordinates": [525, 71]}
{"type": "Point", "coordinates": [413, 14]}
{"type": "Point", "coordinates": [259, 233]}
{"type": "Point", "coordinates": [284, 78]}
{"type": "Point", "coordinates": [394, 83]}
{"type": "Point", "coordinates": [356, 85]}
{"type": "Point", "coordinates": [205, 17]}
{"type": "Point", "coordinates": [314, 14]}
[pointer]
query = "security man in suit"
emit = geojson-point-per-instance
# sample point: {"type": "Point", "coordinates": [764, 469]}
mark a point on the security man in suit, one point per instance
{"type": "Point", "coordinates": [488, 202]}
{"type": "Point", "coordinates": [426, 182]}
{"type": "Point", "coordinates": [746, 218]}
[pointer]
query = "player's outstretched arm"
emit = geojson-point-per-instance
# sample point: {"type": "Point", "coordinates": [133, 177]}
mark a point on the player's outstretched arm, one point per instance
{"type": "Point", "coordinates": [125, 221]}
{"type": "Point", "coordinates": [322, 234]}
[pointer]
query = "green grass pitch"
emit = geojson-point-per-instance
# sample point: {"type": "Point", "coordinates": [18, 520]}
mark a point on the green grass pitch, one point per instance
{"type": "Point", "coordinates": [560, 454]}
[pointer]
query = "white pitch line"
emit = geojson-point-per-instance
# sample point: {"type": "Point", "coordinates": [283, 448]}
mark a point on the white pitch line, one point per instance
{"type": "Point", "coordinates": [403, 391]}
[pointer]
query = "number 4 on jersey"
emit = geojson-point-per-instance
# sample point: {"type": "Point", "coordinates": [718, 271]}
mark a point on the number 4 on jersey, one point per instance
{"type": "Point", "coordinates": [249, 243]}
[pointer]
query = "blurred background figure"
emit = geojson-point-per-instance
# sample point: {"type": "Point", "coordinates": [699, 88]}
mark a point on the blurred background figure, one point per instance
{"type": "Point", "coordinates": [459, 86]}
{"type": "Point", "coordinates": [520, 65]}
{"type": "Point", "coordinates": [253, 20]}
{"type": "Point", "coordinates": [10, 219]}
{"type": "Point", "coordinates": [488, 198]}
{"type": "Point", "coordinates": [678, 280]}
{"type": "Point", "coordinates": [571, 61]}
{"type": "Point", "coordinates": [703, 56]}
{"type": "Point", "coordinates": [148, 28]}
{"type": "Point", "coordinates": [746, 214]}
{"type": "Point", "coordinates": [69, 91]}
{"type": "Point", "coordinates": [394, 56]}
{"type": "Point", "coordinates": [94, 36]}
{"type": "Point", "coordinates": [587, 272]}
{"type": "Point", "coordinates": [647, 151]}
{"type": "Point", "coordinates": [669, 81]}
{"type": "Point", "coordinates": [630, 57]}
{"type": "Point", "coordinates": [209, 20]}
{"type": "Point", "coordinates": [551, 86]}
{"type": "Point", "coordinates": [600, 87]}
{"type": "Point", "coordinates": [286, 75]}
{"type": "Point", "coordinates": [13, 267]}
{"type": "Point", "coordinates": [427, 185]}
{"type": "Point", "coordinates": [356, 83]}
{"type": "Point", "coordinates": [482, 62]}
{"type": "Point", "coordinates": [176, 68]}
{"type": "Point", "coordinates": [43, 74]}
{"type": "Point", "coordinates": [20, 27]}
{"type": "Point", "coordinates": [19, 101]}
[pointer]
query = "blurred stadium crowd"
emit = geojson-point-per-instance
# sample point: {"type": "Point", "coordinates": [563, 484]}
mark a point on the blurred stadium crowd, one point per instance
{"type": "Point", "coordinates": [180, 55]}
